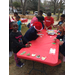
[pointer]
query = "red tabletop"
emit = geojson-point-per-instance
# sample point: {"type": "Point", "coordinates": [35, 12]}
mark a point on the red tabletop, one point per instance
{"type": "Point", "coordinates": [42, 46]}
{"type": "Point", "coordinates": [24, 20]}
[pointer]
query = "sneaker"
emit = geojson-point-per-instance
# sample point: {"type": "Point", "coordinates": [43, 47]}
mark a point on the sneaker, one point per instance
{"type": "Point", "coordinates": [19, 65]}
{"type": "Point", "coordinates": [22, 64]}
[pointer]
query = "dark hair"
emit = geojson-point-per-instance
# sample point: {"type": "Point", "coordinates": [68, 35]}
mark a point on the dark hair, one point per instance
{"type": "Point", "coordinates": [41, 11]}
{"type": "Point", "coordinates": [48, 14]}
{"type": "Point", "coordinates": [11, 23]}
{"type": "Point", "coordinates": [18, 17]}
{"type": "Point", "coordinates": [16, 13]}
{"type": "Point", "coordinates": [40, 18]}
{"type": "Point", "coordinates": [63, 15]}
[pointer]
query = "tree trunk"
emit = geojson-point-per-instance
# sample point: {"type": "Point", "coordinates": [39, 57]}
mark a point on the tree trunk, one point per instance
{"type": "Point", "coordinates": [23, 6]}
{"type": "Point", "coordinates": [38, 5]}
{"type": "Point", "coordinates": [59, 10]}
{"type": "Point", "coordinates": [12, 4]}
{"type": "Point", "coordinates": [54, 10]}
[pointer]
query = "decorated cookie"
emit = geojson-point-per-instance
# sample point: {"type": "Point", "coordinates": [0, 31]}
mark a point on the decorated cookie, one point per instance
{"type": "Point", "coordinates": [43, 58]}
{"type": "Point", "coordinates": [33, 55]}
{"type": "Point", "coordinates": [23, 53]}
{"type": "Point", "coordinates": [38, 56]}
{"type": "Point", "coordinates": [28, 54]}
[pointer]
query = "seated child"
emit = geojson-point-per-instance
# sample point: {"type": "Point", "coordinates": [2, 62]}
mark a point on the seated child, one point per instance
{"type": "Point", "coordinates": [19, 23]}
{"type": "Point", "coordinates": [48, 21]}
{"type": "Point", "coordinates": [18, 42]}
{"type": "Point", "coordinates": [31, 34]}
{"type": "Point", "coordinates": [62, 43]}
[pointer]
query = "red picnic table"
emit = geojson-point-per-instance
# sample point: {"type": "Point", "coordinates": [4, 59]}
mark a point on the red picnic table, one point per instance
{"type": "Point", "coordinates": [42, 50]}
{"type": "Point", "coordinates": [23, 20]}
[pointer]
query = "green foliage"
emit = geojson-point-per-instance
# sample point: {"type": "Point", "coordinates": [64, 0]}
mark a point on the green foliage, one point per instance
{"type": "Point", "coordinates": [32, 5]}
{"type": "Point", "coordinates": [16, 4]}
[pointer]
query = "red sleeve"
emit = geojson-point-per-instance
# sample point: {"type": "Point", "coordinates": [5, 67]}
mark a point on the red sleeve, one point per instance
{"type": "Point", "coordinates": [45, 20]}
{"type": "Point", "coordinates": [52, 20]}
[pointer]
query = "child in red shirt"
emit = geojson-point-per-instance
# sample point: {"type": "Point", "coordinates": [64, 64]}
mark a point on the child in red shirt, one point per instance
{"type": "Point", "coordinates": [48, 21]}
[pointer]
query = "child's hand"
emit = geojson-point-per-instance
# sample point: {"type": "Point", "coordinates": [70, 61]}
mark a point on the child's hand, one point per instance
{"type": "Point", "coordinates": [54, 39]}
{"type": "Point", "coordinates": [40, 31]}
{"type": "Point", "coordinates": [46, 28]}
{"type": "Point", "coordinates": [28, 45]}
{"type": "Point", "coordinates": [54, 26]}
{"type": "Point", "coordinates": [61, 42]}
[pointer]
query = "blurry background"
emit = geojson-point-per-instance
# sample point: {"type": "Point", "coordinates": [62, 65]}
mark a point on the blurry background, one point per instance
{"type": "Point", "coordinates": [30, 7]}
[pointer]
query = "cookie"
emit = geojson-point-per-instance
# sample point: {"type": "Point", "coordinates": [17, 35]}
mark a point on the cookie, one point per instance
{"type": "Point", "coordinates": [23, 53]}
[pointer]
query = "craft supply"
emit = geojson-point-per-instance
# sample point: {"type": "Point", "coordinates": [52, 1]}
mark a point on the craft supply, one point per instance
{"type": "Point", "coordinates": [23, 52]}
{"type": "Point", "coordinates": [53, 43]}
{"type": "Point", "coordinates": [28, 54]}
{"type": "Point", "coordinates": [60, 39]}
{"type": "Point", "coordinates": [50, 32]}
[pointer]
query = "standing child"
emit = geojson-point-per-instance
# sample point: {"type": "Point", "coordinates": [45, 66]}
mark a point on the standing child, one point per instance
{"type": "Point", "coordinates": [19, 23]}
{"type": "Point", "coordinates": [62, 43]}
{"type": "Point", "coordinates": [48, 21]}
{"type": "Point", "coordinates": [15, 14]}
{"type": "Point", "coordinates": [62, 20]}
{"type": "Point", "coordinates": [40, 14]}
{"type": "Point", "coordinates": [18, 42]}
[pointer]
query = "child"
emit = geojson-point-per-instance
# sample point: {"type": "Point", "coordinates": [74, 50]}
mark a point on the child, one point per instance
{"type": "Point", "coordinates": [40, 14]}
{"type": "Point", "coordinates": [48, 21]}
{"type": "Point", "coordinates": [35, 19]}
{"type": "Point", "coordinates": [18, 42]}
{"type": "Point", "coordinates": [31, 34]}
{"type": "Point", "coordinates": [62, 43]}
{"type": "Point", "coordinates": [19, 23]}
{"type": "Point", "coordinates": [15, 14]}
{"type": "Point", "coordinates": [62, 20]}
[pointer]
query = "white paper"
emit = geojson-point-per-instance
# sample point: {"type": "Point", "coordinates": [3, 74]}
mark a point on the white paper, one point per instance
{"type": "Point", "coordinates": [52, 51]}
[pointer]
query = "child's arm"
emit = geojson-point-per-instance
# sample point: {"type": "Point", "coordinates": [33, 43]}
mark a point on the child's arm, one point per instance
{"type": "Point", "coordinates": [24, 41]}
{"type": "Point", "coordinates": [50, 26]}
{"type": "Point", "coordinates": [58, 37]}
{"type": "Point", "coordinates": [45, 25]}
{"type": "Point", "coordinates": [13, 18]}
{"type": "Point", "coordinates": [16, 43]}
